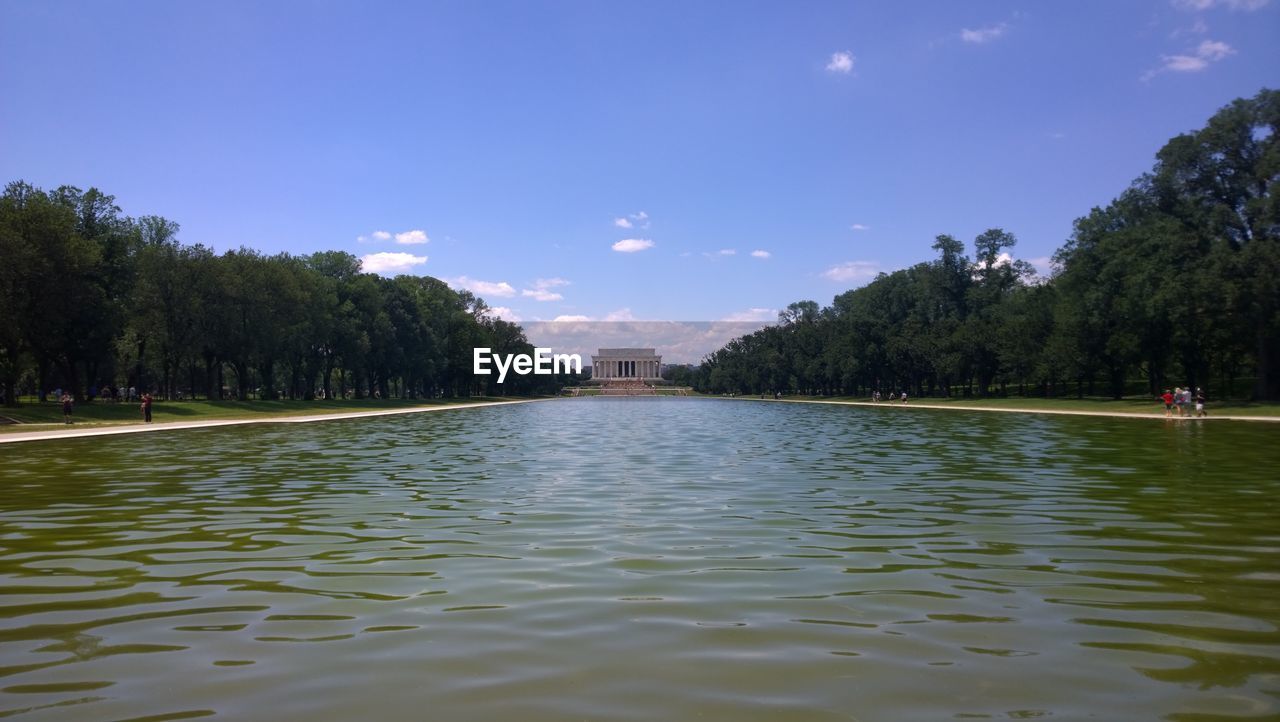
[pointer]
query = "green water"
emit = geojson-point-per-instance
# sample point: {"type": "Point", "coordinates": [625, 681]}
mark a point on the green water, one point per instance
{"type": "Point", "coordinates": [646, 559]}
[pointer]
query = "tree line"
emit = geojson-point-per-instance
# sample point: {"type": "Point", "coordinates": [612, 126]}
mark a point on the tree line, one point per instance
{"type": "Point", "coordinates": [1175, 282]}
{"type": "Point", "coordinates": [91, 299]}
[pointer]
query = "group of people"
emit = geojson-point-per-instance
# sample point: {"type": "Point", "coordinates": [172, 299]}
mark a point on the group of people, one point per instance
{"type": "Point", "coordinates": [69, 403]}
{"type": "Point", "coordinates": [875, 396]}
{"type": "Point", "coordinates": [1181, 399]}
{"type": "Point", "coordinates": [108, 393]}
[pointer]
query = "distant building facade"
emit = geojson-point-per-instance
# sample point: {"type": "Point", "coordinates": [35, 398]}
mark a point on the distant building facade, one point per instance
{"type": "Point", "coordinates": [626, 363]}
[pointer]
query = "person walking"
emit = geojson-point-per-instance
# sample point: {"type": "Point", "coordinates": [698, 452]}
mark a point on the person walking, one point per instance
{"type": "Point", "coordinates": [146, 407]}
{"type": "Point", "coordinates": [1200, 399]}
{"type": "Point", "coordinates": [67, 404]}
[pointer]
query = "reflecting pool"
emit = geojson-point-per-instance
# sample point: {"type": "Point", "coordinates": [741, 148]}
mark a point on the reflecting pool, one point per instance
{"type": "Point", "coordinates": [646, 559]}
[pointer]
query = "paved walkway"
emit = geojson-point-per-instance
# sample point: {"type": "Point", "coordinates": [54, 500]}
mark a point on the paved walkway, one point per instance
{"type": "Point", "coordinates": [1061, 412]}
{"type": "Point", "coordinates": [70, 432]}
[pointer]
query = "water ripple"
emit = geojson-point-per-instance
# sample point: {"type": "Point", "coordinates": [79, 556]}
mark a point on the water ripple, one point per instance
{"type": "Point", "coordinates": [638, 559]}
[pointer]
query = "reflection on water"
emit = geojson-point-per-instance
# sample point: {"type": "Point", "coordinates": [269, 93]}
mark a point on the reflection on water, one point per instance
{"type": "Point", "coordinates": [641, 559]}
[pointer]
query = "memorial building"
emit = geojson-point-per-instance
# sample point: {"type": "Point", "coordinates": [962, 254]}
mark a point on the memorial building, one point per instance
{"type": "Point", "coordinates": [626, 363]}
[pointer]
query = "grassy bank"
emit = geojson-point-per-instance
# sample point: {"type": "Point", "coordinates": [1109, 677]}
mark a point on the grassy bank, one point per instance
{"type": "Point", "coordinates": [35, 416]}
{"type": "Point", "coordinates": [1088, 405]}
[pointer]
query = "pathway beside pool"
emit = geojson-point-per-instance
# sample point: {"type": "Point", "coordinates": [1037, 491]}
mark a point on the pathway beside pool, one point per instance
{"type": "Point", "coordinates": [73, 432]}
{"type": "Point", "coordinates": [1062, 412]}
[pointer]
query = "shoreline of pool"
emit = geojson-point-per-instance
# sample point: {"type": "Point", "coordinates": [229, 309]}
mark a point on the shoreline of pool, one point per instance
{"type": "Point", "coordinates": [1059, 412]}
{"type": "Point", "coordinates": [71, 433]}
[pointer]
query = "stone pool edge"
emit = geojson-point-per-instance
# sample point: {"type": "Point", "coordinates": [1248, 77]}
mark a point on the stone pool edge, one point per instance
{"type": "Point", "coordinates": [64, 433]}
{"type": "Point", "coordinates": [1059, 412]}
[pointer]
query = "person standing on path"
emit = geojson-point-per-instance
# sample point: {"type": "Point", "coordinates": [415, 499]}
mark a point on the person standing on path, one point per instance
{"type": "Point", "coordinates": [1200, 399]}
{"type": "Point", "coordinates": [67, 404]}
{"type": "Point", "coordinates": [146, 407]}
{"type": "Point", "coordinates": [1167, 398]}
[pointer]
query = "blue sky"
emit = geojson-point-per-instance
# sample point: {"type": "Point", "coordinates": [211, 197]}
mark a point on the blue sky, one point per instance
{"type": "Point", "coordinates": [518, 139]}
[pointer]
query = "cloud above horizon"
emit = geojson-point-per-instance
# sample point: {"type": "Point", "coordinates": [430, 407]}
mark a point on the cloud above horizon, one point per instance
{"type": "Point", "coordinates": [412, 238]}
{"type": "Point", "coordinates": [752, 314]}
{"type": "Point", "coordinates": [501, 289]}
{"type": "Point", "coordinates": [761, 254]}
{"type": "Point", "coordinates": [638, 219]}
{"type": "Point", "coordinates": [841, 62]}
{"type": "Point", "coordinates": [1205, 54]}
{"type": "Point", "coordinates": [504, 313]}
{"type": "Point", "coordinates": [1246, 5]}
{"type": "Point", "coordinates": [541, 290]}
{"type": "Point", "coordinates": [375, 236]}
{"type": "Point", "coordinates": [632, 245]}
{"type": "Point", "coordinates": [852, 271]}
{"type": "Point", "coordinates": [405, 238]}
{"type": "Point", "coordinates": [983, 35]}
{"type": "Point", "coordinates": [390, 263]}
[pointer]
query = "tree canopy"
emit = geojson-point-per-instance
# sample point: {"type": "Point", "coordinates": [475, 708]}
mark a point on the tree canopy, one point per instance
{"type": "Point", "coordinates": [93, 299]}
{"type": "Point", "coordinates": [1177, 281]}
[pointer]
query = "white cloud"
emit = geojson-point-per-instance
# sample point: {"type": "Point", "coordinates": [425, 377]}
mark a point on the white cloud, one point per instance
{"type": "Point", "coordinates": [541, 290]}
{"type": "Point", "coordinates": [632, 245]}
{"type": "Point", "coordinates": [375, 236]}
{"type": "Point", "coordinates": [639, 219]}
{"type": "Point", "coordinates": [501, 289]}
{"type": "Point", "coordinates": [760, 254]}
{"type": "Point", "coordinates": [852, 271]}
{"type": "Point", "coordinates": [752, 314]}
{"type": "Point", "coordinates": [390, 263]}
{"type": "Point", "coordinates": [859, 227]}
{"type": "Point", "coordinates": [983, 35]}
{"type": "Point", "coordinates": [504, 313]}
{"type": "Point", "coordinates": [1197, 5]}
{"type": "Point", "coordinates": [1043, 265]}
{"type": "Point", "coordinates": [541, 294]}
{"type": "Point", "coordinates": [410, 238]}
{"type": "Point", "coordinates": [622, 314]}
{"type": "Point", "coordinates": [570, 319]}
{"type": "Point", "coordinates": [1213, 50]}
{"type": "Point", "coordinates": [1208, 51]}
{"type": "Point", "coordinates": [841, 62]}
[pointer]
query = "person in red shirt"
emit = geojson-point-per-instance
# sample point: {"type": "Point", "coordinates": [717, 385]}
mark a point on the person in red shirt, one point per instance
{"type": "Point", "coordinates": [1167, 398]}
{"type": "Point", "coordinates": [146, 408]}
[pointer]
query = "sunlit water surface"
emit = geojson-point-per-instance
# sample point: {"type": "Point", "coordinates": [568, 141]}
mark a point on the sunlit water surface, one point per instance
{"type": "Point", "coordinates": [646, 559]}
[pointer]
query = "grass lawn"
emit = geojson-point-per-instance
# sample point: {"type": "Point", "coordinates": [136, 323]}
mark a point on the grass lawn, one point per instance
{"type": "Point", "coordinates": [34, 415]}
{"type": "Point", "coordinates": [1122, 406]}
